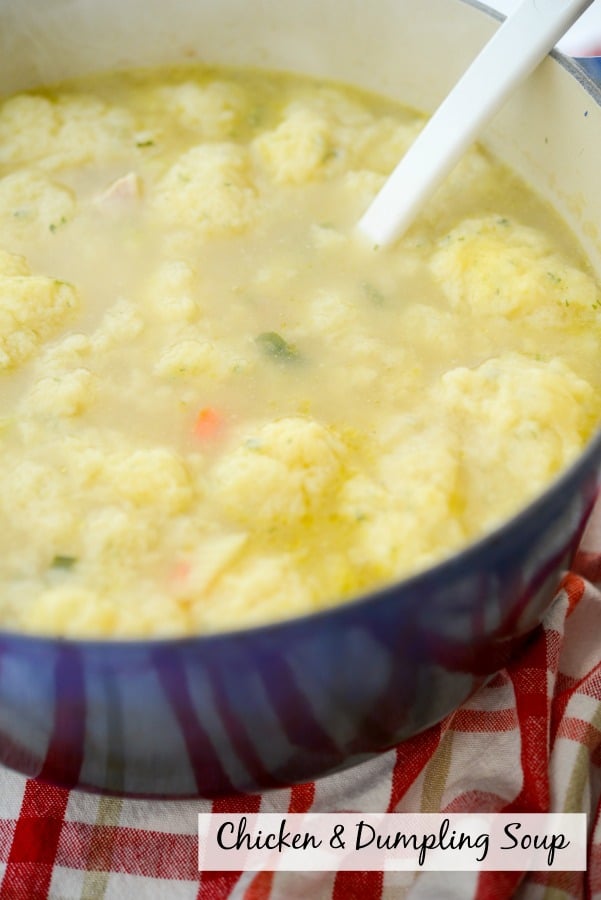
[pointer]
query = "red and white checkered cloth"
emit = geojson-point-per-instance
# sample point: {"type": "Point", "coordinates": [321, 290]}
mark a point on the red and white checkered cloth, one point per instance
{"type": "Point", "coordinates": [530, 741]}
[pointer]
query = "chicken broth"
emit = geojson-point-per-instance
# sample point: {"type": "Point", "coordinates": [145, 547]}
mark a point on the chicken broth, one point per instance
{"type": "Point", "coordinates": [218, 406]}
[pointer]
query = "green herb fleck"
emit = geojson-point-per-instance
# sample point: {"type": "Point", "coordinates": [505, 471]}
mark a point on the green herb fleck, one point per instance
{"type": "Point", "coordinates": [373, 293]}
{"type": "Point", "coordinates": [255, 118]}
{"type": "Point", "coordinates": [63, 562]}
{"type": "Point", "coordinates": [145, 143]}
{"type": "Point", "coordinates": [554, 278]}
{"type": "Point", "coordinates": [54, 226]}
{"type": "Point", "coordinates": [503, 221]}
{"type": "Point", "coordinates": [273, 344]}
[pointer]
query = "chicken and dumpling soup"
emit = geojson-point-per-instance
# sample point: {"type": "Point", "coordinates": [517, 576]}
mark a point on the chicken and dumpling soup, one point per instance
{"type": "Point", "coordinates": [218, 406]}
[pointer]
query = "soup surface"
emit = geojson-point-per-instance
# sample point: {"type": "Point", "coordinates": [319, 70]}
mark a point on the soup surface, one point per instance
{"type": "Point", "coordinates": [218, 406]}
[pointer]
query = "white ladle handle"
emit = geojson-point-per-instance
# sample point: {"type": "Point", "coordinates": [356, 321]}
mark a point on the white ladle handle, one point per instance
{"type": "Point", "coordinates": [520, 43]}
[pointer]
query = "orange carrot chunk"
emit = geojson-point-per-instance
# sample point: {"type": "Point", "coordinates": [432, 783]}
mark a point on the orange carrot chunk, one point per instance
{"type": "Point", "coordinates": [209, 424]}
{"type": "Point", "coordinates": [180, 572]}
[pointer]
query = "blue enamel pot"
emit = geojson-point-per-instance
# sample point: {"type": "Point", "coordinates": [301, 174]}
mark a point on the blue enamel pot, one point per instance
{"type": "Point", "coordinates": [266, 707]}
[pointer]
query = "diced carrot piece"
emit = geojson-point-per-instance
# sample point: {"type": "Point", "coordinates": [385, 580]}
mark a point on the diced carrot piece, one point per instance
{"type": "Point", "coordinates": [180, 572]}
{"type": "Point", "coordinates": [209, 423]}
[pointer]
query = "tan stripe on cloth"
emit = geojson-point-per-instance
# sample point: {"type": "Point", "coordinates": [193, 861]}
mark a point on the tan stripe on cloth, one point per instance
{"type": "Point", "coordinates": [99, 859]}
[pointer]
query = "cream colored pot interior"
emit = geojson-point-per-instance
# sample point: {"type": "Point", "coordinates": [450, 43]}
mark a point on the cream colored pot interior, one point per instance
{"type": "Point", "coordinates": [550, 131]}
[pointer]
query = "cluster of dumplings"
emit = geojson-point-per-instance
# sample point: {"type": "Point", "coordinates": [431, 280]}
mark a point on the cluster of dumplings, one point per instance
{"type": "Point", "coordinates": [219, 408]}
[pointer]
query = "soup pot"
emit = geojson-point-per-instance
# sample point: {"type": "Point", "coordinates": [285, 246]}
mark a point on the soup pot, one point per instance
{"type": "Point", "coordinates": [268, 706]}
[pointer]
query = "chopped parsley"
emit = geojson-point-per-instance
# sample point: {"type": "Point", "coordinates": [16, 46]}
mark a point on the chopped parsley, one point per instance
{"type": "Point", "coordinates": [273, 344]}
{"type": "Point", "coordinates": [54, 226]}
{"type": "Point", "coordinates": [373, 293]}
{"type": "Point", "coordinates": [63, 562]}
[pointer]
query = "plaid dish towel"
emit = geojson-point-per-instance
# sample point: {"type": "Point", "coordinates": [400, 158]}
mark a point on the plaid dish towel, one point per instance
{"type": "Point", "coordinates": [529, 741]}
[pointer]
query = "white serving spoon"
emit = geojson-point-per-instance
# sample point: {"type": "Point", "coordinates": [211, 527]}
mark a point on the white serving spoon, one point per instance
{"type": "Point", "coordinates": [510, 56]}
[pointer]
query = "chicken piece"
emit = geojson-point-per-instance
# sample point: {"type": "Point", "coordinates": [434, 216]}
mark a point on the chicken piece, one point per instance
{"type": "Point", "coordinates": [121, 195]}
